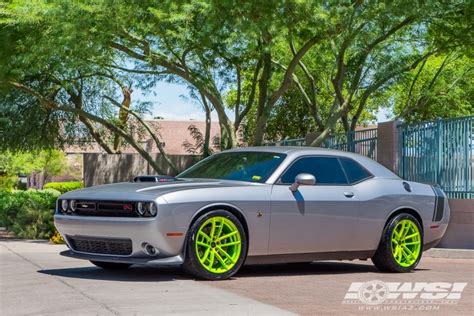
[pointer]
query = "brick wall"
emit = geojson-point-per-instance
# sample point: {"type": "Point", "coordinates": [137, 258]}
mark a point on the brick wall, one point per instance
{"type": "Point", "coordinates": [460, 233]}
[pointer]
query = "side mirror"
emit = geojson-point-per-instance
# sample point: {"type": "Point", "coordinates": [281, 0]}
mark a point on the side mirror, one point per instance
{"type": "Point", "coordinates": [302, 179]}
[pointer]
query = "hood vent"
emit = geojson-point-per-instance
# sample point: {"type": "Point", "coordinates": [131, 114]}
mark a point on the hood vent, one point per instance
{"type": "Point", "coordinates": [157, 178]}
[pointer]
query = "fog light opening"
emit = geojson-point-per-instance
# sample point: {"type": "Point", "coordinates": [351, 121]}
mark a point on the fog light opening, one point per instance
{"type": "Point", "coordinates": [149, 249]}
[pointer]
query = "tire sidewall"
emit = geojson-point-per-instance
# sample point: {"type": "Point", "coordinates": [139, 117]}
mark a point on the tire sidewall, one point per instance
{"type": "Point", "coordinates": [387, 241]}
{"type": "Point", "coordinates": [192, 263]}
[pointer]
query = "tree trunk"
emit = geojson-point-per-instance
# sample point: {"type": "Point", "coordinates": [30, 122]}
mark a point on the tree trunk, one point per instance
{"type": "Point", "coordinates": [260, 128]}
{"type": "Point", "coordinates": [228, 135]}
{"type": "Point", "coordinates": [123, 116]}
{"type": "Point", "coordinates": [263, 106]}
{"type": "Point", "coordinates": [207, 134]}
{"type": "Point", "coordinates": [330, 125]}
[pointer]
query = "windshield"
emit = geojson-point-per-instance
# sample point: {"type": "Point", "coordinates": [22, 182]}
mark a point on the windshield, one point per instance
{"type": "Point", "coordinates": [241, 166]}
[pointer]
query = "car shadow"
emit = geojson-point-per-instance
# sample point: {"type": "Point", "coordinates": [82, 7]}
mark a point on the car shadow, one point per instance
{"type": "Point", "coordinates": [163, 274]}
{"type": "Point", "coordinates": [132, 274]}
{"type": "Point", "coordinates": [314, 268]}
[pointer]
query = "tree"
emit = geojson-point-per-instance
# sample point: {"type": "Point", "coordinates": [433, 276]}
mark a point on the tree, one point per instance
{"type": "Point", "coordinates": [441, 87]}
{"type": "Point", "coordinates": [47, 162]}
{"type": "Point", "coordinates": [370, 52]}
{"type": "Point", "coordinates": [376, 45]}
{"type": "Point", "coordinates": [201, 142]}
{"type": "Point", "coordinates": [65, 86]}
{"type": "Point", "coordinates": [339, 56]}
{"type": "Point", "coordinates": [289, 119]}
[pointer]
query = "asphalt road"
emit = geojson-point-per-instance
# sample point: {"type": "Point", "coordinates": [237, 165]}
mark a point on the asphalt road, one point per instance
{"type": "Point", "coordinates": [34, 279]}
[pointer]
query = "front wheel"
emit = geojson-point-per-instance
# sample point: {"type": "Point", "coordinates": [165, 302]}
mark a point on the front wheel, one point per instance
{"type": "Point", "coordinates": [216, 246]}
{"type": "Point", "coordinates": [401, 245]}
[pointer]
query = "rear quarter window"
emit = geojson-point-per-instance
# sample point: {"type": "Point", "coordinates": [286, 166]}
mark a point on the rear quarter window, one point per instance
{"type": "Point", "coordinates": [354, 171]}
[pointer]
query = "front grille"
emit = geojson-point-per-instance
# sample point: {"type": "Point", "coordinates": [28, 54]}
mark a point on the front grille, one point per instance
{"type": "Point", "coordinates": [106, 208]}
{"type": "Point", "coordinates": [104, 246]}
{"type": "Point", "coordinates": [85, 206]}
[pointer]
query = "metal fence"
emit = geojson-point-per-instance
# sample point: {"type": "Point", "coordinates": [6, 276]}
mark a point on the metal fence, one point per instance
{"type": "Point", "coordinates": [363, 142]}
{"type": "Point", "coordinates": [288, 142]}
{"type": "Point", "coordinates": [439, 152]}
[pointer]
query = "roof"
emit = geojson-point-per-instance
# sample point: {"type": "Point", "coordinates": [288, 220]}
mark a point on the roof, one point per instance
{"type": "Point", "coordinates": [288, 149]}
{"type": "Point", "coordinates": [300, 149]}
{"type": "Point", "coordinates": [374, 167]}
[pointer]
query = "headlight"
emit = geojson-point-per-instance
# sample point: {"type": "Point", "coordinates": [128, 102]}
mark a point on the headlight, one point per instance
{"type": "Point", "coordinates": [141, 208]}
{"type": "Point", "coordinates": [64, 205]}
{"type": "Point", "coordinates": [72, 205]}
{"type": "Point", "coordinates": [152, 209]}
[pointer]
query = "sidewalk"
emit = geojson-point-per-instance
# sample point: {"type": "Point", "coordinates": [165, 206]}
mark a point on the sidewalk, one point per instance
{"type": "Point", "coordinates": [449, 253]}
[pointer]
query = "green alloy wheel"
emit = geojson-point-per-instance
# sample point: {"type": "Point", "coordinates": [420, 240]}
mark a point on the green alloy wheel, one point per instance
{"type": "Point", "coordinates": [216, 247]}
{"type": "Point", "coordinates": [218, 244]}
{"type": "Point", "coordinates": [406, 243]}
{"type": "Point", "coordinates": [401, 245]}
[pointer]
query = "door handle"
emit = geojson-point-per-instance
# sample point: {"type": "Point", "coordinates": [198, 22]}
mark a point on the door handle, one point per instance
{"type": "Point", "coordinates": [349, 194]}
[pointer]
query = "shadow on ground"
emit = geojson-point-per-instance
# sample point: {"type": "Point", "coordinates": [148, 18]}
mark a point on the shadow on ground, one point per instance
{"type": "Point", "coordinates": [133, 274]}
{"type": "Point", "coordinates": [161, 274]}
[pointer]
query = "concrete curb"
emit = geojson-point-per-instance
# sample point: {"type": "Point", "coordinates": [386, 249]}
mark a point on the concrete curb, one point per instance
{"type": "Point", "coordinates": [449, 253]}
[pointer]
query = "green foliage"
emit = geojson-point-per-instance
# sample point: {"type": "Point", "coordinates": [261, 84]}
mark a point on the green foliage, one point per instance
{"type": "Point", "coordinates": [8, 182]}
{"type": "Point", "coordinates": [63, 61]}
{"type": "Point", "coordinates": [442, 87]}
{"type": "Point", "coordinates": [29, 214]}
{"type": "Point", "coordinates": [49, 162]}
{"type": "Point", "coordinates": [27, 126]}
{"type": "Point", "coordinates": [64, 187]}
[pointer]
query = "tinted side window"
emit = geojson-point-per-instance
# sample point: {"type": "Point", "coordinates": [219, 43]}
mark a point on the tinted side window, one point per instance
{"type": "Point", "coordinates": [326, 170]}
{"type": "Point", "coordinates": [354, 171]}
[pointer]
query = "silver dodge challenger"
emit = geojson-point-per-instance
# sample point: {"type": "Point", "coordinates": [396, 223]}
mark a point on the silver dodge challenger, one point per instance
{"type": "Point", "coordinates": [253, 206]}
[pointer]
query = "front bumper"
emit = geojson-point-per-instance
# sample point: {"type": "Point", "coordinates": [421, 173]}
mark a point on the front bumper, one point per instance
{"type": "Point", "coordinates": [170, 261]}
{"type": "Point", "coordinates": [139, 230]}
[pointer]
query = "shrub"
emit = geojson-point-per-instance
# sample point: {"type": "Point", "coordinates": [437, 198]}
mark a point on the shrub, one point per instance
{"type": "Point", "coordinates": [63, 187]}
{"type": "Point", "coordinates": [29, 214]}
{"type": "Point", "coordinates": [7, 182]}
{"type": "Point", "coordinates": [10, 204]}
{"type": "Point", "coordinates": [57, 238]}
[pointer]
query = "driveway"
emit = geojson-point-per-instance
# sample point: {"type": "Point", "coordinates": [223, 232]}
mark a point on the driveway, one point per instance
{"type": "Point", "coordinates": [34, 279]}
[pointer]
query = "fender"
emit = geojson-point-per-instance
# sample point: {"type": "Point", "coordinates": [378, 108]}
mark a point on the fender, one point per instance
{"type": "Point", "coordinates": [210, 207]}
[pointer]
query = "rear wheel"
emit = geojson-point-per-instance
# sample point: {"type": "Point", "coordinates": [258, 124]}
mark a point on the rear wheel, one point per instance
{"type": "Point", "coordinates": [401, 245]}
{"type": "Point", "coordinates": [216, 246]}
{"type": "Point", "coordinates": [111, 265]}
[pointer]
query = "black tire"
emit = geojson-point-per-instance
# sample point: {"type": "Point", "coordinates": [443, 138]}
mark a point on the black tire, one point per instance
{"type": "Point", "coordinates": [193, 266]}
{"type": "Point", "coordinates": [384, 259]}
{"type": "Point", "coordinates": [111, 265]}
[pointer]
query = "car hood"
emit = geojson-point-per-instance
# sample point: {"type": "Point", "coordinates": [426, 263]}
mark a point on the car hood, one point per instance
{"type": "Point", "coordinates": [136, 191]}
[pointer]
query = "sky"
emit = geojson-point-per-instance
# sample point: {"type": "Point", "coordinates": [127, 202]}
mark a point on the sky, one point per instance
{"type": "Point", "coordinates": [171, 101]}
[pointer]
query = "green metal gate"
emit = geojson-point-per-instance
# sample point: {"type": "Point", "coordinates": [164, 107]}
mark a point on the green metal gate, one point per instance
{"type": "Point", "coordinates": [363, 142]}
{"type": "Point", "coordinates": [439, 152]}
